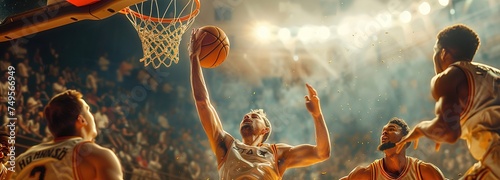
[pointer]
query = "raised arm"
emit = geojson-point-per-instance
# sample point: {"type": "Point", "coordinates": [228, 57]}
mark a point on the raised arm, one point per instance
{"type": "Point", "coordinates": [447, 88]}
{"type": "Point", "coordinates": [208, 116]}
{"type": "Point", "coordinates": [306, 154]}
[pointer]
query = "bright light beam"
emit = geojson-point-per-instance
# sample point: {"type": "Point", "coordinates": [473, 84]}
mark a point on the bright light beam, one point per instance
{"type": "Point", "coordinates": [424, 8]}
{"type": "Point", "coordinates": [405, 17]}
{"type": "Point", "coordinates": [263, 33]}
{"type": "Point", "coordinates": [444, 2]}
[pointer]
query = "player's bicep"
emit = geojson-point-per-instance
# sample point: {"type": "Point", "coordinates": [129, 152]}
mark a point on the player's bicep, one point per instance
{"type": "Point", "coordinates": [298, 156]}
{"type": "Point", "coordinates": [446, 89]}
{"type": "Point", "coordinates": [209, 119]}
{"type": "Point", "coordinates": [211, 124]}
{"type": "Point", "coordinates": [448, 112]}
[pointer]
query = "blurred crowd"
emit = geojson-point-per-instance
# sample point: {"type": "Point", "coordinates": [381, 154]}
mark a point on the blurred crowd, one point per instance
{"type": "Point", "coordinates": [153, 127]}
{"type": "Point", "coordinates": [135, 126]}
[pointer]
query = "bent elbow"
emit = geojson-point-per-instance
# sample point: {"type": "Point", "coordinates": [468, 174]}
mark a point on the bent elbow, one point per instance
{"type": "Point", "coordinates": [323, 156]}
{"type": "Point", "coordinates": [326, 156]}
{"type": "Point", "coordinates": [452, 137]}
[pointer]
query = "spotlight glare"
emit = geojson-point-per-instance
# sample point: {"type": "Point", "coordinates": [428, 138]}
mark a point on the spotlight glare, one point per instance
{"type": "Point", "coordinates": [323, 33]}
{"type": "Point", "coordinates": [305, 34]}
{"type": "Point", "coordinates": [343, 29]}
{"type": "Point", "coordinates": [263, 33]}
{"type": "Point", "coordinates": [452, 11]}
{"type": "Point", "coordinates": [444, 2]}
{"type": "Point", "coordinates": [284, 34]}
{"type": "Point", "coordinates": [424, 8]}
{"type": "Point", "coordinates": [405, 17]}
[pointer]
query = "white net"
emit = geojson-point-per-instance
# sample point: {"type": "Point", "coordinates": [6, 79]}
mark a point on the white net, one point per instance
{"type": "Point", "coordinates": [160, 26]}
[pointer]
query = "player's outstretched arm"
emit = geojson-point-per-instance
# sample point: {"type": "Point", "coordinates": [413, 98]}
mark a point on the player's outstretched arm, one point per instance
{"type": "Point", "coordinates": [208, 116]}
{"type": "Point", "coordinates": [358, 173]}
{"type": "Point", "coordinates": [97, 162]}
{"type": "Point", "coordinates": [9, 174]}
{"type": "Point", "coordinates": [429, 171]}
{"type": "Point", "coordinates": [445, 127]}
{"type": "Point", "coordinates": [306, 154]}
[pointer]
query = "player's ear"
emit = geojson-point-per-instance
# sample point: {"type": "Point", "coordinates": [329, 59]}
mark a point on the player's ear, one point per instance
{"type": "Point", "coordinates": [81, 121]}
{"type": "Point", "coordinates": [446, 55]}
{"type": "Point", "coordinates": [265, 130]}
{"type": "Point", "coordinates": [442, 53]}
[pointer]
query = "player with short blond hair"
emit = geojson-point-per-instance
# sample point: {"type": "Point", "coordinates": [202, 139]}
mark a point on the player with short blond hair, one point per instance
{"type": "Point", "coordinates": [251, 158]}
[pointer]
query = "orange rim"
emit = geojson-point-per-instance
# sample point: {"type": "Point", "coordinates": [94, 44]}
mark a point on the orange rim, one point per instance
{"type": "Point", "coordinates": [193, 14]}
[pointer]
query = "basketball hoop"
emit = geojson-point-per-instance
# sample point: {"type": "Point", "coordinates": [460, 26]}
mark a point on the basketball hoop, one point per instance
{"type": "Point", "coordinates": [160, 29]}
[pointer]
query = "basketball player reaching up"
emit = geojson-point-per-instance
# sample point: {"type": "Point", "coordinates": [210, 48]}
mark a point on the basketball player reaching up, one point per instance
{"type": "Point", "coordinates": [467, 96]}
{"type": "Point", "coordinates": [395, 165]}
{"type": "Point", "coordinates": [72, 154]}
{"type": "Point", "coordinates": [252, 158]}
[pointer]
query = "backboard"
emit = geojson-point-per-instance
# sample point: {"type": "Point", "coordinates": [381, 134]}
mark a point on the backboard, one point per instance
{"type": "Point", "coordinates": [160, 23]}
{"type": "Point", "coordinates": [23, 18]}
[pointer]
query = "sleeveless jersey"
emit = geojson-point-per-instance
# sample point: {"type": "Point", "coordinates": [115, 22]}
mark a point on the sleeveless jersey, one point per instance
{"type": "Point", "coordinates": [480, 118]}
{"type": "Point", "coordinates": [3, 172]}
{"type": "Point", "coordinates": [410, 172]}
{"type": "Point", "coordinates": [249, 162]}
{"type": "Point", "coordinates": [49, 161]}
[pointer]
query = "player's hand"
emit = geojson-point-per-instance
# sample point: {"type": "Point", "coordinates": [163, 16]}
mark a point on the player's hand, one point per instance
{"type": "Point", "coordinates": [414, 135]}
{"type": "Point", "coordinates": [194, 46]}
{"type": "Point", "coordinates": [312, 101]}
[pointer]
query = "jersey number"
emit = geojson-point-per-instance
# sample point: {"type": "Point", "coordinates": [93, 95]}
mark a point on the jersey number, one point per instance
{"type": "Point", "coordinates": [37, 169]}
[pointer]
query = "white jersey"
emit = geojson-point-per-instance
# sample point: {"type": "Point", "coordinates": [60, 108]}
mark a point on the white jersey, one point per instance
{"type": "Point", "coordinates": [410, 172]}
{"type": "Point", "coordinates": [249, 162]}
{"type": "Point", "coordinates": [49, 161]}
{"type": "Point", "coordinates": [480, 119]}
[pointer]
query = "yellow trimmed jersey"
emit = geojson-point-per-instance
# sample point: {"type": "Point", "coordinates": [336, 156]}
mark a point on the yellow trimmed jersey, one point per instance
{"type": "Point", "coordinates": [249, 162]}
{"type": "Point", "coordinates": [51, 160]}
{"type": "Point", "coordinates": [480, 118]}
{"type": "Point", "coordinates": [410, 172]}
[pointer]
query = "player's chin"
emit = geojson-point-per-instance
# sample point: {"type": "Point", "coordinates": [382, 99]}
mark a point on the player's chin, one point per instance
{"type": "Point", "coordinates": [246, 129]}
{"type": "Point", "coordinates": [386, 146]}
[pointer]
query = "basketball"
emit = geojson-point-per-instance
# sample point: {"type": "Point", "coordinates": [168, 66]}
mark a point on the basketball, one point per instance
{"type": "Point", "coordinates": [214, 46]}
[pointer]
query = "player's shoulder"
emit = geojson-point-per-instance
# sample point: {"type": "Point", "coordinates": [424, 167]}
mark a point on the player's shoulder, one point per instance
{"type": "Point", "coordinates": [93, 151]}
{"type": "Point", "coordinates": [430, 171]}
{"type": "Point", "coordinates": [97, 161]}
{"type": "Point", "coordinates": [452, 72]}
{"type": "Point", "coordinates": [360, 172]}
{"type": "Point", "coordinates": [282, 148]}
{"type": "Point", "coordinates": [282, 145]}
{"type": "Point", "coordinates": [448, 80]}
{"type": "Point", "coordinates": [34, 148]}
